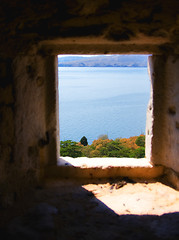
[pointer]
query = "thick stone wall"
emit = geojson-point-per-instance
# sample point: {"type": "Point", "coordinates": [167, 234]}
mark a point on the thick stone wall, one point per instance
{"type": "Point", "coordinates": [163, 112]}
{"type": "Point", "coordinates": [171, 137]}
{"type": "Point", "coordinates": [28, 123]}
{"type": "Point", "coordinates": [7, 136]}
{"type": "Point", "coordinates": [143, 25]}
{"type": "Point", "coordinates": [34, 32]}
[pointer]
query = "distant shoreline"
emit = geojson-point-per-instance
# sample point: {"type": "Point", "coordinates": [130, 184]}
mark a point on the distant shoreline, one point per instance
{"type": "Point", "coordinates": [62, 65]}
{"type": "Point", "coordinates": [103, 61]}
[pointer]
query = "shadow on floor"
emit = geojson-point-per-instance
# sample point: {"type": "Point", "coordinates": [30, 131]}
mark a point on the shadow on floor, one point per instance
{"type": "Point", "coordinates": [67, 211]}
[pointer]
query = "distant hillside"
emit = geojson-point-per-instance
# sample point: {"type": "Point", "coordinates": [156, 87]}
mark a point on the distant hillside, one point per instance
{"type": "Point", "coordinates": [103, 61]}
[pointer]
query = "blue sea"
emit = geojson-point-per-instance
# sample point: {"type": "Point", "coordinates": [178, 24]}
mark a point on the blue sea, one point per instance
{"type": "Point", "coordinates": [98, 100]}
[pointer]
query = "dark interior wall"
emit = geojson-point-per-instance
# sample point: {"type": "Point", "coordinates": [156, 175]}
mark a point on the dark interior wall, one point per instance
{"type": "Point", "coordinates": [7, 136]}
{"type": "Point", "coordinates": [32, 33]}
{"type": "Point", "coordinates": [24, 23]}
{"type": "Point", "coordinates": [28, 123]}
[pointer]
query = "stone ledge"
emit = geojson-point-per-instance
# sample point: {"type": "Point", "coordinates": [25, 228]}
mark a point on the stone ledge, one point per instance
{"type": "Point", "coordinates": [103, 168]}
{"type": "Point", "coordinates": [84, 162]}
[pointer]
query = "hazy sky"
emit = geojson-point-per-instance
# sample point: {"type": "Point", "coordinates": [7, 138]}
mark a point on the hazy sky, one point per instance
{"type": "Point", "coordinates": [87, 55]}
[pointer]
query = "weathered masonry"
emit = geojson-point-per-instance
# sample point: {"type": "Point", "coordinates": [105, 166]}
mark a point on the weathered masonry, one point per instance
{"type": "Point", "coordinates": [33, 33]}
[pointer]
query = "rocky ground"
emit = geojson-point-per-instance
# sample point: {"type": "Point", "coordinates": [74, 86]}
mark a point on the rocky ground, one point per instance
{"type": "Point", "coordinates": [120, 209]}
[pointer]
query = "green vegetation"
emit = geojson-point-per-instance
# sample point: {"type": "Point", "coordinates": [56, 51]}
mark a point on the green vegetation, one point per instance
{"type": "Point", "coordinates": [70, 148]}
{"type": "Point", "coordinates": [140, 141]}
{"type": "Point", "coordinates": [133, 147]}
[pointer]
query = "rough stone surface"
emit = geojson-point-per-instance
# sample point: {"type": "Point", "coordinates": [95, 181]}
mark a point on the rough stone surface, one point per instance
{"type": "Point", "coordinates": [162, 136]}
{"type": "Point", "coordinates": [126, 22]}
{"type": "Point", "coordinates": [89, 168]}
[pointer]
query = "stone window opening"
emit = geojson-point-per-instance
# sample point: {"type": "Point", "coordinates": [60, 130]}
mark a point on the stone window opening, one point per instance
{"type": "Point", "coordinates": [106, 163]}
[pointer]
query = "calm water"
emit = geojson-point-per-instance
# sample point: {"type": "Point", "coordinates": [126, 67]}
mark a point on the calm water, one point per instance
{"type": "Point", "coordinates": [95, 101]}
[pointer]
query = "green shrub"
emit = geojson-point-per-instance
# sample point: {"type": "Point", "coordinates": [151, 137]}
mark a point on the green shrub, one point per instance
{"type": "Point", "coordinates": [140, 141]}
{"type": "Point", "coordinates": [70, 148]}
{"type": "Point", "coordinates": [86, 151]}
{"type": "Point", "coordinates": [140, 152]}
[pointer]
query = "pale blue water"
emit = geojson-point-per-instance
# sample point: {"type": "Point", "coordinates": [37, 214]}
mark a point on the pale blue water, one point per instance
{"type": "Point", "coordinates": [95, 101]}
